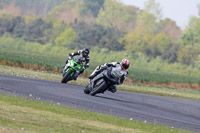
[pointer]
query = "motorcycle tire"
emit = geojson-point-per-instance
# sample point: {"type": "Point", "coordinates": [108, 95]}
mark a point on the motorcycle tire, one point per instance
{"type": "Point", "coordinates": [87, 90]}
{"type": "Point", "coordinates": [99, 88]}
{"type": "Point", "coordinates": [66, 77]}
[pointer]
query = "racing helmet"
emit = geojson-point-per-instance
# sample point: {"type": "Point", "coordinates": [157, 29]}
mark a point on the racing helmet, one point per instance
{"type": "Point", "coordinates": [125, 64]}
{"type": "Point", "coordinates": [85, 52]}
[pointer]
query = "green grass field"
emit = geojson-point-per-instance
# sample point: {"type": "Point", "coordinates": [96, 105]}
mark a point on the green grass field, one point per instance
{"type": "Point", "coordinates": [54, 63]}
{"type": "Point", "coordinates": [19, 115]}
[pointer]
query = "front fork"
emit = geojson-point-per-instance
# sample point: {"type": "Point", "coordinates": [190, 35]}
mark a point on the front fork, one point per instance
{"type": "Point", "coordinates": [94, 80]}
{"type": "Point", "coordinates": [67, 67]}
{"type": "Point", "coordinates": [76, 73]}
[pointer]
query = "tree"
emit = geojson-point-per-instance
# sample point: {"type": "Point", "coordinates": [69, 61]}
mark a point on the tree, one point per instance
{"type": "Point", "coordinates": [198, 6]}
{"type": "Point", "coordinates": [90, 35]}
{"type": "Point", "coordinates": [116, 14]}
{"type": "Point", "coordinates": [6, 24]}
{"type": "Point", "coordinates": [188, 54]}
{"type": "Point", "coordinates": [57, 29]}
{"type": "Point", "coordinates": [148, 19]}
{"type": "Point", "coordinates": [190, 42]}
{"type": "Point", "coordinates": [35, 31]}
{"type": "Point", "coordinates": [13, 25]}
{"type": "Point", "coordinates": [66, 38]}
{"type": "Point", "coordinates": [135, 43]}
{"type": "Point", "coordinates": [12, 10]}
{"type": "Point", "coordinates": [64, 12]}
{"type": "Point", "coordinates": [169, 28]}
{"type": "Point", "coordinates": [197, 62]}
{"type": "Point", "coordinates": [191, 35]}
{"type": "Point", "coordinates": [36, 7]}
{"type": "Point", "coordinates": [93, 7]}
{"type": "Point", "coordinates": [171, 54]}
{"type": "Point", "coordinates": [19, 27]}
{"type": "Point", "coordinates": [153, 8]}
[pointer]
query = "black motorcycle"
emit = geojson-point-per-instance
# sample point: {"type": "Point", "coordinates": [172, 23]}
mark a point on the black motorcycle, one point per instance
{"type": "Point", "coordinates": [102, 82]}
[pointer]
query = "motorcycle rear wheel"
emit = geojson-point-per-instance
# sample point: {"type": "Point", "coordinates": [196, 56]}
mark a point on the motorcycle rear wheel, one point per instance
{"type": "Point", "coordinates": [98, 88]}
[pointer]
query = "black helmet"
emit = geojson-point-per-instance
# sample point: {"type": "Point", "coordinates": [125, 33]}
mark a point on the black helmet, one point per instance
{"type": "Point", "coordinates": [85, 52]}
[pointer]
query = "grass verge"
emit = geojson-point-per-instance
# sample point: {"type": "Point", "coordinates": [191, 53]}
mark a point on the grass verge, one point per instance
{"type": "Point", "coordinates": [145, 89]}
{"type": "Point", "coordinates": [20, 115]}
{"type": "Point", "coordinates": [178, 75]}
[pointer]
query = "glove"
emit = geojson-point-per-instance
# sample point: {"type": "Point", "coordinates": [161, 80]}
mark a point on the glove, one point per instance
{"type": "Point", "coordinates": [113, 65]}
{"type": "Point", "coordinates": [104, 67]}
{"type": "Point", "coordinates": [82, 71]}
{"type": "Point", "coordinates": [113, 89]}
{"type": "Point", "coordinates": [110, 65]}
{"type": "Point", "coordinates": [71, 54]}
{"type": "Point", "coordinates": [86, 66]}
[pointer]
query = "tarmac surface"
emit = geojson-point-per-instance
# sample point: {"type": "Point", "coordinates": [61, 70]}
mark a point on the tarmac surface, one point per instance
{"type": "Point", "coordinates": [173, 112]}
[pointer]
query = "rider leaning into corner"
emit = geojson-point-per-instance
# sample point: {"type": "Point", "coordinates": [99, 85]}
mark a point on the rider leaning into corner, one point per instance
{"type": "Point", "coordinates": [120, 68]}
{"type": "Point", "coordinates": [84, 55]}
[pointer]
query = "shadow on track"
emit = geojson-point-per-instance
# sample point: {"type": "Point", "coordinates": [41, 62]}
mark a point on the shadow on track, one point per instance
{"type": "Point", "coordinates": [114, 99]}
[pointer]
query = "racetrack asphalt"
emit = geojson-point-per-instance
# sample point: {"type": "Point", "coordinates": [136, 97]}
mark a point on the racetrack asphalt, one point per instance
{"type": "Point", "coordinates": [173, 112]}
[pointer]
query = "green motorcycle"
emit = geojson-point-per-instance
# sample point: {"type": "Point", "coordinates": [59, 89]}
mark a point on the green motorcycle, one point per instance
{"type": "Point", "coordinates": [71, 70]}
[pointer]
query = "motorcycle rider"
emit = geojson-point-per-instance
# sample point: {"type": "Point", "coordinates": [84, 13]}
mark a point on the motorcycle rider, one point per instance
{"type": "Point", "coordinates": [84, 55]}
{"type": "Point", "coordinates": [120, 68]}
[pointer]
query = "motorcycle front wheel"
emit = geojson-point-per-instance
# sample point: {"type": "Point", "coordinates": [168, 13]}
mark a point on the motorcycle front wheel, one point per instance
{"type": "Point", "coordinates": [66, 77]}
{"type": "Point", "coordinates": [87, 90]}
{"type": "Point", "coordinates": [98, 88]}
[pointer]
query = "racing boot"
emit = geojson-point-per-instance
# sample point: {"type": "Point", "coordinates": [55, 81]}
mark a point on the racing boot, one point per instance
{"type": "Point", "coordinates": [75, 78]}
{"type": "Point", "coordinates": [95, 72]}
{"type": "Point", "coordinates": [92, 75]}
{"type": "Point", "coordinates": [113, 89]}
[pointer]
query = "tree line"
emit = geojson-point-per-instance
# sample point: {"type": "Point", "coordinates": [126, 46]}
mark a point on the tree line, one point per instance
{"type": "Point", "coordinates": [106, 24]}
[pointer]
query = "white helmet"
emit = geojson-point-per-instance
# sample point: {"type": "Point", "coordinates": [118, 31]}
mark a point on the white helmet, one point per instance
{"type": "Point", "coordinates": [125, 64]}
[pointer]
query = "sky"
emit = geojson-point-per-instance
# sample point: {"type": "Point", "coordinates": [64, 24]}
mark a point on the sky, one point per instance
{"type": "Point", "coordinates": [177, 10]}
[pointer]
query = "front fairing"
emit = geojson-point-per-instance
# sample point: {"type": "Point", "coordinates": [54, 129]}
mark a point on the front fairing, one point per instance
{"type": "Point", "coordinates": [111, 77]}
{"type": "Point", "coordinates": [107, 76]}
{"type": "Point", "coordinates": [79, 59]}
{"type": "Point", "coordinates": [72, 65]}
{"type": "Point", "coordinates": [118, 71]}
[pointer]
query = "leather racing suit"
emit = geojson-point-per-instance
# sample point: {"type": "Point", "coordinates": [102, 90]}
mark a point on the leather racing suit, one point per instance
{"type": "Point", "coordinates": [80, 56]}
{"type": "Point", "coordinates": [116, 68]}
